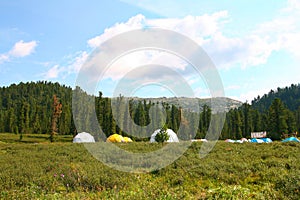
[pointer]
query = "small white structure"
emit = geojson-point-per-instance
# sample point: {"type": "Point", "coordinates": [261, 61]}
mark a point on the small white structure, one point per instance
{"type": "Point", "coordinates": [259, 134]}
{"type": "Point", "coordinates": [172, 136]}
{"type": "Point", "coordinates": [83, 138]}
{"type": "Point", "coordinates": [199, 140]}
{"type": "Point", "coordinates": [230, 141]}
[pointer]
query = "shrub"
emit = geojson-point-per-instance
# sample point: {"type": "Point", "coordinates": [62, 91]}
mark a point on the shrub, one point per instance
{"type": "Point", "coordinates": [290, 186]}
{"type": "Point", "coordinates": [162, 136]}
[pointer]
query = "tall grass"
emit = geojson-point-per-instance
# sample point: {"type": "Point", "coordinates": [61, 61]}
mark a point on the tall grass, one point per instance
{"type": "Point", "coordinates": [230, 171]}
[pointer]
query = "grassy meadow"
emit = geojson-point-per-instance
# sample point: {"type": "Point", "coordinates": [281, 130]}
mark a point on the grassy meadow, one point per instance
{"type": "Point", "coordinates": [33, 168]}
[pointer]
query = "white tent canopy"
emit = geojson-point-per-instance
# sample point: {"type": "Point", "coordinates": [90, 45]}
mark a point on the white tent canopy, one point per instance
{"type": "Point", "coordinates": [83, 138]}
{"type": "Point", "coordinates": [172, 136]}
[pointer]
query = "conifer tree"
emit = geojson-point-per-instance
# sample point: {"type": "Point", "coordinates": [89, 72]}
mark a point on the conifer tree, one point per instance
{"type": "Point", "coordinates": [162, 136]}
{"type": "Point", "coordinates": [277, 119]}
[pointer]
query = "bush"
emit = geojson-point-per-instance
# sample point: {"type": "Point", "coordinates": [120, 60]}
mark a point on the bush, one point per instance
{"type": "Point", "coordinates": [162, 136]}
{"type": "Point", "coordinates": [289, 186]}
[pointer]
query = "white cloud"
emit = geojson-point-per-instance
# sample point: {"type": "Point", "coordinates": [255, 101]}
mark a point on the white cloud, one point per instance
{"type": "Point", "coordinates": [135, 22]}
{"type": "Point", "coordinates": [207, 30]}
{"type": "Point", "coordinates": [77, 63]}
{"type": "Point", "coordinates": [72, 66]}
{"type": "Point", "coordinates": [22, 49]}
{"type": "Point", "coordinates": [131, 61]}
{"type": "Point", "coordinates": [3, 58]}
{"type": "Point", "coordinates": [225, 52]}
{"type": "Point", "coordinates": [283, 32]}
{"type": "Point", "coordinates": [254, 48]}
{"type": "Point", "coordinates": [53, 72]}
{"type": "Point", "coordinates": [293, 6]}
{"type": "Point", "coordinates": [292, 43]}
{"type": "Point", "coordinates": [195, 27]}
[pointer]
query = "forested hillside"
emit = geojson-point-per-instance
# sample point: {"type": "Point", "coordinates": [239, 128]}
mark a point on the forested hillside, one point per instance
{"type": "Point", "coordinates": [28, 108]}
{"type": "Point", "coordinates": [290, 96]}
{"type": "Point", "coordinates": [277, 112]}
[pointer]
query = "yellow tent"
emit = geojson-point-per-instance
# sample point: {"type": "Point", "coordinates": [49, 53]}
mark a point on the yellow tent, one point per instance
{"type": "Point", "coordinates": [115, 138]}
{"type": "Point", "coordinates": [127, 139]}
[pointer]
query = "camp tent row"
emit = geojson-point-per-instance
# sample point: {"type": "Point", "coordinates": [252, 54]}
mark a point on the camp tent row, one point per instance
{"type": "Point", "coordinates": [253, 140]}
{"type": "Point", "coordinates": [261, 140]}
{"type": "Point", "coordinates": [88, 138]}
{"type": "Point", "coordinates": [118, 138]}
{"type": "Point", "coordinates": [237, 141]}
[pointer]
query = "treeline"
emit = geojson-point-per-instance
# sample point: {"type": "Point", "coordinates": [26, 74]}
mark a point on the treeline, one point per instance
{"type": "Point", "coordinates": [277, 120]}
{"type": "Point", "coordinates": [28, 108]}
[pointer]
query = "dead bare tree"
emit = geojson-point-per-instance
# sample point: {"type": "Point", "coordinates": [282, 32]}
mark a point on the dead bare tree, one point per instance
{"type": "Point", "coordinates": [57, 110]}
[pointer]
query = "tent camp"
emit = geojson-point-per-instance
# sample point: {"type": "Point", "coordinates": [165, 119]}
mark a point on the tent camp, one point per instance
{"type": "Point", "coordinates": [291, 139]}
{"type": "Point", "coordinates": [118, 138]}
{"type": "Point", "coordinates": [115, 138]}
{"type": "Point", "coordinates": [237, 141]}
{"type": "Point", "coordinates": [230, 141]}
{"type": "Point", "coordinates": [255, 140]}
{"type": "Point", "coordinates": [127, 139]}
{"type": "Point", "coordinates": [199, 140]}
{"type": "Point", "coordinates": [172, 136]}
{"type": "Point", "coordinates": [83, 138]}
{"type": "Point", "coordinates": [267, 140]}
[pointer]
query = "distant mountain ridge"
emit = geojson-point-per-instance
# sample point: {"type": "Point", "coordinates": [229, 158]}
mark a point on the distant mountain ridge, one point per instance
{"type": "Point", "coordinates": [220, 104]}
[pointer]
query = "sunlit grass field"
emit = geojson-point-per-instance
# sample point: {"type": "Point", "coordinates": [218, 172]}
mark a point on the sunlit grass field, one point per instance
{"type": "Point", "coordinates": [33, 168]}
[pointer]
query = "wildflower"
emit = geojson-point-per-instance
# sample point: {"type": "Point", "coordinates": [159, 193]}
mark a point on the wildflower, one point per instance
{"type": "Point", "coordinates": [62, 175]}
{"type": "Point", "coordinates": [55, 175]}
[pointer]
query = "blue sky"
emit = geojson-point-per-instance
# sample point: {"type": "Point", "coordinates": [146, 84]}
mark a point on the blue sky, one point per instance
{"type": "Point", "coordinates": [253, 43]}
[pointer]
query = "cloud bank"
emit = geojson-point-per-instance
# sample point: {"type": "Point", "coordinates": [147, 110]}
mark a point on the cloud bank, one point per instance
{"type": "Point", "coordinates": [253, 49]}
{"type": "Point", "coordinates": [240, 51]}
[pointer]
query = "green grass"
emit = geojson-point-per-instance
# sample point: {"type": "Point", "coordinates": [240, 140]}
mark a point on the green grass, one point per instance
{"type": "Point", "coordinates": [32, 138]}
{"type": "Point", "coordinates": [43, 170]}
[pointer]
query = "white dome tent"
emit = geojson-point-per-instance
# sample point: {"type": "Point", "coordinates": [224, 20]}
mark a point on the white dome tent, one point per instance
{"type": "Point", "coordinates": [172, 136]}
{"type": "Point", "coordinates": [83, 138]}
